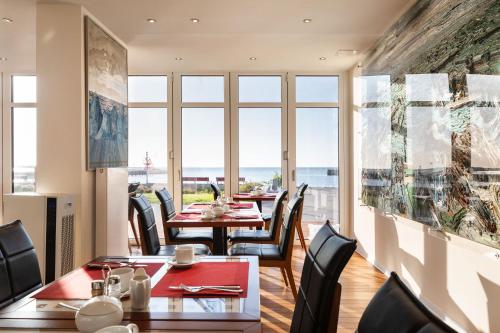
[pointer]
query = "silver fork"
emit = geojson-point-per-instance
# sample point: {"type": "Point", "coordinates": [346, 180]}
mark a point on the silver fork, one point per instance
{"type": "Point", "coordinates": [200, 288]}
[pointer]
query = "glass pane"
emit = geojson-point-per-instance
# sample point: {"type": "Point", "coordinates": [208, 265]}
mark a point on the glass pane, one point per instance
{"type": "Point", "coordinates": [260, 89]}
{"type": "Point", "coordinates": [317, 162]}
{"type": "Point", "coordinates": [24, 149]}
{"type": "Point", "coordinates": [24, 89]}
{"type": "Point", "coordinates": [148, 155]}
{"type": "Point", "coordinates": [319, 89]}
{"type": "Point", "coordinates": [260, 149]}
{"type": "Point", "coordinates": [202, 89]}
{"type": "Point", "coordinates": [427, 87]}
{"type": "Point", "coordinates": [147, 88]}
{"type": "Point", "coordinates": [202, 153]}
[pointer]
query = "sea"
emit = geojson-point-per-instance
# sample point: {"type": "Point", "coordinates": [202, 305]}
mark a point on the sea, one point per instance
{"type": "Point", "coordinates": [314, 177]}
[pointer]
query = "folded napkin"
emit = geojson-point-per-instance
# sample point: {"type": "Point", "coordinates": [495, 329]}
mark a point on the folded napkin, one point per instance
{"type": "Point", "coordinates": [244, 217]}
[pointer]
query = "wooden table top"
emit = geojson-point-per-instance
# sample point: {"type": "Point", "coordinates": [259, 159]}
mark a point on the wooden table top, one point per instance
{"type": "Point", "coordinates": [162, 313]}
{"type": "Point", "coordinates": [219, 221]}
{"type": "Point", "coordinates": [250, 197]}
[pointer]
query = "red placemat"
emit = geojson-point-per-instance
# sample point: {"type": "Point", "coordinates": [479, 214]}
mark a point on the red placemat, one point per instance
{"type": "Point", "coordinates": [204, 273]}
{"type": "Point", "coordinates": [187, 216]}
{"type": "Point", "coordinates": [76, 285]}
{"type": "Point", "coordinates": [241, 205]}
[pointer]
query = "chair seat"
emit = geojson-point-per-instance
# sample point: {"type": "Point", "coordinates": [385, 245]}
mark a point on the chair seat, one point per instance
{"type": "Point", "coordinates": [194, 236]}
{"type": "Point", "coordinates": [266, 217]}
{"type": "Point", "coordinates": [263, 251]}
{"type": "Point", "coordinates": [169, 250]}
{"type": "Point", "coordinates": [247, 235]}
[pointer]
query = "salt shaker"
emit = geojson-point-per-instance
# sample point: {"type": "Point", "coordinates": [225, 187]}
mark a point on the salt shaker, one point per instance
{"type": "Point", "coordinates": [114, 286]}
{"type": "Point", "coordinates": [140, 289]}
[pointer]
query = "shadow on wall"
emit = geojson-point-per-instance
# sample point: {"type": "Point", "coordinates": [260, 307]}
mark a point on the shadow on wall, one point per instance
{"type": "Point", "coordinates": [431, 275]}
{"type": "Point", "coordinates": [493, 304]}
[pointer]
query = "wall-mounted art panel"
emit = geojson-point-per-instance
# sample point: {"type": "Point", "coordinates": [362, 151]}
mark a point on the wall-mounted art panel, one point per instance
{"type": "Point", "coordinates": [107, 113]}
{"type": "Point", "coordinates": [441, 64]}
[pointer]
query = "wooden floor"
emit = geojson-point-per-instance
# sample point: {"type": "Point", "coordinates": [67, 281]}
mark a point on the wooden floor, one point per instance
{"type": "Point", "coordinates": [359, 280]}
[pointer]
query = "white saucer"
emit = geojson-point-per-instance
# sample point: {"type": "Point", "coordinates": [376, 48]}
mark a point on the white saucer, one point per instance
{"type": "Point", "coordinates": [176, 265]}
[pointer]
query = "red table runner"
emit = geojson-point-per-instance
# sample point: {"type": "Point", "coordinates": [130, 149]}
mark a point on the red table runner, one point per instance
{"type": "Point", "coordinates": [233, 205]}
{"type": "Point", "coordinates": [76, 285]}
{"type": "Point", "coordinates": [197, 217]}
{"type": "Point", "coordinates": [204, 273]}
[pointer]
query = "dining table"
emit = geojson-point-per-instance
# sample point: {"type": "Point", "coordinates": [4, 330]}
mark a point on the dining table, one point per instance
{"type": "Point", "coordinates": [239, 215]}
{"type": "Point", "coordinates": [170, 310]}
{"type": "Point", "coordinates": [257, 198]}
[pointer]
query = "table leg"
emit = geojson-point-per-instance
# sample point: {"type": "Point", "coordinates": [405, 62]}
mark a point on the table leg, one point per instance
{"type": "Point", "coordinates": [220, 245]}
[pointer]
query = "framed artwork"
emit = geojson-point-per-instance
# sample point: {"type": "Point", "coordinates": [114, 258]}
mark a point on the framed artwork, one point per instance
{"type": "Point", "coordinates": [106, 86]}
{"type": "Point", "coordinates": [430, 119]}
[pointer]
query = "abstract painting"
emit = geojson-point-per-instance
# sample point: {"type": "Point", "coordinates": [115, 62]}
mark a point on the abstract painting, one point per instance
{"type": "Point", "coordinates": [429, 95]}
{"type": "Point", "coordinates": [107, 113]}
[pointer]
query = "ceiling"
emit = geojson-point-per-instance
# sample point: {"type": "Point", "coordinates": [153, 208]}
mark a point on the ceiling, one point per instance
{"type": "Point", "coordinates": [228, 34]}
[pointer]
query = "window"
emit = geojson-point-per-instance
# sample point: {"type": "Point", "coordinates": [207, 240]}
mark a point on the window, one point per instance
{"type": "Point", "coordinates": [316, 146]}
{"type": "Point", "coordinates": [203, 145]}
{"type": "Point", "coordinates": [148, 138]}
{"type": "Point", "coordinates": [23, 113]}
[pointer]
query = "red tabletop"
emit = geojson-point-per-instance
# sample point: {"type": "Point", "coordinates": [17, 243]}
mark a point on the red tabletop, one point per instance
{"type": "Point", "coordinates": [250, 197]}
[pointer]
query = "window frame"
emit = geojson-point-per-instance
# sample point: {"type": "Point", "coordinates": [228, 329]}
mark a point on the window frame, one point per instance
{"type": "Point", "coordinates": [7, 128]}
{"type": "Point", "coordinates": [235, 107]}
{"type": "Point", "coordinates": [178, 105]}
{"type": "Point", "coordinates": [343, 139]}
{"type": "Point", "coordinates": [163, 105]}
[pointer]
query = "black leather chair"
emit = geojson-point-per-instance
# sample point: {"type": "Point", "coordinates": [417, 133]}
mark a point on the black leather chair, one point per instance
{"type": "Point", "coordinates": [263, 236]}
{"type": "Point", "coordinates": [301, 190]}
{"type": "Point", "coordinates": [394, 308]}
{"type": "Point", "coordinates": [150, 242]}
{"type": "Point", "coordinates": [317, 307]}
{"type": "Point", "coordinates": [216, 190]}
{"type": "Point", "coordinates": [20, 258]}
{"type": "Point", "coordinates": [5, 288]}
{"type": "Point", "coordinates": [175, 235]}
{"type": "Point", "coordinates": [276, 255]}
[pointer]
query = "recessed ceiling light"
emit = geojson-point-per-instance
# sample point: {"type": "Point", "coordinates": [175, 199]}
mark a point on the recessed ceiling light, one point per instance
{"type": "Point", "coordinates": [252, 58]}
{"type": "Point", "coordinates": [195, 20]}
{"type": "Point", "coordinates": [151, 20]}
{"type": "Point", "coordinates": [178, 58]}
{"type": "Point", "coordinates": [307, 20]}
{"type": "Point", "coordinates": [7, 20]}
{"type": "Point", "coordinates": [322, 58]}
{"type": "Point", "coordinates": [3, 59]}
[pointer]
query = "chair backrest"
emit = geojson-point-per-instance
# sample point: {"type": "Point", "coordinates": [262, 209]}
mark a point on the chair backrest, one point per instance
{"type": "Point", "coordinates": [301, 190]}
{"type": "Point", "coordinates": [287, 233]}
{"type": "Point", "coordinates": [167, 212]}
{"type": "Point", "coordinates": [216, 189]}
{"type": "Point", "coordinates": [132, 187]}
{"type": "Point", "coordinates": [277, 214]}
{"type": "Point", "coordinates": [394, 308]}
{"type": "Point", "coordinates": [150, 242]}
{"type": "Point", "coordinates": [318, 301]}
{"type": "Point", "coordinates": [21, 260]}
{"type": "Point", "coordinates": [5, 288]}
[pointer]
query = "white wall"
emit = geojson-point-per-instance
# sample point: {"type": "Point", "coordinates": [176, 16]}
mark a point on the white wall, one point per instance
{"type": "Point", "coordinates": [61, 118]}
{"type": "Point", "coordinates": [457, 278]}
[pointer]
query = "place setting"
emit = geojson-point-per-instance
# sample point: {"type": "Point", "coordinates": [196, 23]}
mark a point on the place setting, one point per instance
{"type": "Point", "coordinates": [191, 277]}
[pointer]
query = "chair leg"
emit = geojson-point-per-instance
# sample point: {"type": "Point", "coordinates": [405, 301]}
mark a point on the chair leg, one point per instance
{"type": "Point", "coordinates": [301, 236]}
{"type": "Point", "coordinates": [284, 276]}
{"type": "Point", "coordinates": [289, 273]}
{"type": "Point", "coordinates": [132, 224]}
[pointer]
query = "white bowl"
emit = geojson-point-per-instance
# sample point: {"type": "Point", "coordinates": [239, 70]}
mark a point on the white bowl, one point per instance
{"type": "Point", "coordinates": [99, 312]}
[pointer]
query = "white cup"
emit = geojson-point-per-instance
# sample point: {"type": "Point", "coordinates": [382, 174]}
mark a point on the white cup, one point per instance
{"type": "Point", "coordinates": [184, 254]}
{"type": "Point", "coordinates": [130, 328]}
{"type": "Point", "coordinates": [126, 274]}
